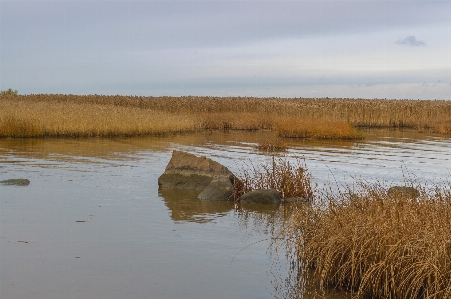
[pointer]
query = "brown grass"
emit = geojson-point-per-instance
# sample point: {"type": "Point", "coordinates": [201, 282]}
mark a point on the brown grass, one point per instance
{"type": "Point", "coordinates": [96, 115]}
{"type": "Point", "coordinates": [374, 244]}
{"type": "Point", "coordinates": [13, 127]}
{"type": "Point", "coordinates": [22, 118]}
{"type": "Point", "coordinates": [272, 145]}
{"type": "Point", "coordinates": [289, 179]}
{"type": "Point", "coordinates": [317, 128]}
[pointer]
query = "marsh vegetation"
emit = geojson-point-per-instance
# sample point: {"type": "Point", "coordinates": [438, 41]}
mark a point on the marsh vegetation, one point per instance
{"type": "Point", "coordinates": [56, 115]}
{"type": "Point", "coordinates": [366, 239]}
{"type": "Point", "coordinates": [372, 244]}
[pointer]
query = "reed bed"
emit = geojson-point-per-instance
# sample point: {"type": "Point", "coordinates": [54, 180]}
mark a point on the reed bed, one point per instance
{"type": "Point", "coordinates": [98, 115]}
{"type": "Point", "coordinates": [317, 128]}
{"type": "Point", "coordinates": [290, 179]}
{"type": "Point", "coordinates": [22, 118]}
{"type": "Point", "coordinates": [374, 244]}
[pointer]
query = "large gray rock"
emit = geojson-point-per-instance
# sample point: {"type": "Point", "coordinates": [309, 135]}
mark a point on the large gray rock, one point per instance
{"type": "Point", "coordinates": [220, 188]}
{"type": "Point", "coordinates": [187, 171]}
{"type": "Point", "coordinates": [403, 192]}
{"type": "Point", "coordinates": [268, 196]}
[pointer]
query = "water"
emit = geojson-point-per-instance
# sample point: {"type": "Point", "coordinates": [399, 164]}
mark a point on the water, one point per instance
{"type": "Point", "coordinates": [93, 224]}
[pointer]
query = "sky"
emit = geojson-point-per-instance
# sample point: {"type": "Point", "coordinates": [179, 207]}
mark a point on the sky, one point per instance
{"type": "Point", "coordinates": [346, 49]}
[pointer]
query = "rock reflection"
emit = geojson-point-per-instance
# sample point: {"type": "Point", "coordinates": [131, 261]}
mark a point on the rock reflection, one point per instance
{"type": "Point", "coordinates": [185, 206]}
{"type": "Point", "coordinates": [264, 218]}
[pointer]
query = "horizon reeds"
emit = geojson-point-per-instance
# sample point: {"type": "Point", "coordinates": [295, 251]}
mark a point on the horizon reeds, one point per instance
{"type": "Point", "coordinates": [373, 244]}
{"type": "Point", "coordinates": [57, 115]}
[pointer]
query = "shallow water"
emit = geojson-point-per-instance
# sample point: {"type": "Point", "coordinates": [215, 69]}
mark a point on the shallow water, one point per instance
{"type": "Point", "coordinates": [93, 224]}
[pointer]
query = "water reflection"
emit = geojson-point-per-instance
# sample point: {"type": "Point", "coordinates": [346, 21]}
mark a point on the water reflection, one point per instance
{"type": "Point", "coordinates": [185, 206]}
{"type": "Point", "coordinates": [264, 218]}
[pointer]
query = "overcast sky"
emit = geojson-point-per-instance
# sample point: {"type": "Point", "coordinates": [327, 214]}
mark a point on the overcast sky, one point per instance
{"type": "Point", "coordinates": [370, 49]}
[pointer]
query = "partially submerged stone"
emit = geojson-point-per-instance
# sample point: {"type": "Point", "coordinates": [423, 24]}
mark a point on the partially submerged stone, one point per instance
{"type": "Point", "coordinates": [16, 182]}
{"type": "Point", "coordinates": [187, 171]}
{"type": "Point", "coordinates": [403, 192]}
{"type": "Point", "coordinates": [267, 196]}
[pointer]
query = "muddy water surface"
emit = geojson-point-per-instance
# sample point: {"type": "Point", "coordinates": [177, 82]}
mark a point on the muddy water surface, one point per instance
{"type": "Point", "coordinates": [93, 224]}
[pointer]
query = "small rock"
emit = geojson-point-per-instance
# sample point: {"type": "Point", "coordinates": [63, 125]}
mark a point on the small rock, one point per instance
{"type": "Point", "coordinates": [403, 192]}
{"type": "Point", "coordinates": [16, 182]}
{"type": "Point", "coordinates": [267, 196]}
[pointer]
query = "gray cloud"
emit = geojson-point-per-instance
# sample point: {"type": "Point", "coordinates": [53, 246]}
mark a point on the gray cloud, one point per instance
{"type": "Point", "coordinates": [182, 24]}
{"type": "Point", "coordinates": [216, 47]}
{"type": "Point", "coordinates": [411, 40]}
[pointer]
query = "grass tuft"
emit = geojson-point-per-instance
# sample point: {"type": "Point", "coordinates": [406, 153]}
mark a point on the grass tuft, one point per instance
{"type": "Point", "coordinates": [272, 145]}
{"type": "Point", "coordinates": [290, 179]}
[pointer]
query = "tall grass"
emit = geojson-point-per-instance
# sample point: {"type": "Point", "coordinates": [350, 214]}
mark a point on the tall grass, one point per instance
{"type": "Point", "coordinates": [290, 179]}
{"type": "Point", "coordinates": [317, 128]}
{"type": "Point", "coordinates": [272, 145]}
{"type": "Point", "coordinates": [374, 244]}
{"type": "Point", "coordinates": [23, 118]}
{"type": "Point", "coordinates": [97, 115]}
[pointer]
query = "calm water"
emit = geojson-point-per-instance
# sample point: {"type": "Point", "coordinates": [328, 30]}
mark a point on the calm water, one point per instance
{"type": "Point", "coordinates": [93, 224]}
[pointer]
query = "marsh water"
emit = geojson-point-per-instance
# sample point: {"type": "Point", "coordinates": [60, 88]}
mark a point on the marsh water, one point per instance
{"type": "Point", "coordinates": [93, 224]}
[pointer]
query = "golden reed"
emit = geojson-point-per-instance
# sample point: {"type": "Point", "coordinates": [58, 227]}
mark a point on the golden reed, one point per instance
{"type": "Point", "coordinates": [97, 115]}
{"type": "Point", "coordinates": [373, 243]}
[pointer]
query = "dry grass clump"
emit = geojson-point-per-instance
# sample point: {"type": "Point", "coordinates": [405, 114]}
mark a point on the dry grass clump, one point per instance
{"type": "Point", "coordinates": [272, 145]}
{"type": "Point", "coordinates": [224, 121]}
{"type": "Point", "coordinates": [289, 179]}
{"type": "Point", "coordinates": [317, 128]}
{"type": "Point", "coordinates": [374, 244]}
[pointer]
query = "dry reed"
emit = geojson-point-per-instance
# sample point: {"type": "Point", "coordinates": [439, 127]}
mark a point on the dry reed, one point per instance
{"type": "Point", "coordinates": [374, 244]}
{"type": "Point", "coordinates": [291, 180]}
{"type": "Point", "coordinates": [272, 145]}
{"type": "Point", "coordinates": [317, 128]}
{"type": "Point", "coordinates": [22, 118]}
{"type": "Point", "coordinates": [97, 115]}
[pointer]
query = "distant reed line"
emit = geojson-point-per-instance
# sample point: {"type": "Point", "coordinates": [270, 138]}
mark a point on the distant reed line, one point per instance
{"type": "Point", "coordinates": [98, 115]}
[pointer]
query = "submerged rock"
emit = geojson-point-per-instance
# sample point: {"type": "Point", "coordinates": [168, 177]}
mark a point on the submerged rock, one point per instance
{"type": "Point", "coordinates": [16, 182]}
{"type": "Point", "coordinates": [403, 192]}
{"type": "Point", "coordinates": [267, 196]}
{"type": "Point", "coordinates": [187, 171]}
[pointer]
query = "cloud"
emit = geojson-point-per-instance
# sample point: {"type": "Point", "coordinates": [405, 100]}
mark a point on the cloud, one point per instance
{"type": "Point", "coordinates": [411, 40]}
